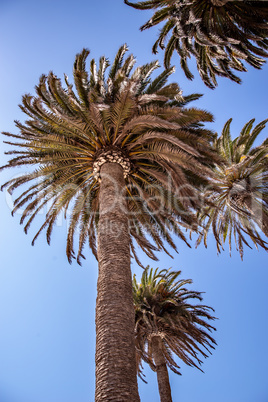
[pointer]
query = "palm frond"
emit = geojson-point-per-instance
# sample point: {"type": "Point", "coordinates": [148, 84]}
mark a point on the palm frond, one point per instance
{"type": "Point", "coordinates": [164, 310]}
{"type": "Point", "coordinates": [218, 37]}
{"type": "Point", "coordinates": [236, 204]}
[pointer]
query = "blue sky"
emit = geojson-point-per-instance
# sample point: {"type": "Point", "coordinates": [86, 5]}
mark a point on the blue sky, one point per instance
{"type": "Point", "coordinates": [47, 329]}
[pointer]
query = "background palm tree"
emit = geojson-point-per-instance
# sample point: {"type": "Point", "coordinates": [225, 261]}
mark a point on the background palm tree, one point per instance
{"type": "Point", "coordinates": [219, 34]}
{"type": "Point", "coordinates": [239, 193]}
{"type": "Point", "coordinates": [126, 158]}
{"type": "Point", "coordinates": [167, 324]}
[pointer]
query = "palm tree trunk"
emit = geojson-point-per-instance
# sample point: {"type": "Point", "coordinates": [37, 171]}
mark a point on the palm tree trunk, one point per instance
{"type": "Point", "coordinates": [161, 370]}
{"type": "Point", "coordinates": [116, 378]}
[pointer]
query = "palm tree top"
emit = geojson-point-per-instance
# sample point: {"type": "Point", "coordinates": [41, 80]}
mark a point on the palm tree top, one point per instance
{"type": "Point", "coordinates": [118, 115]}
{"type": "Point", "coordinates": [239, 192]}
{"type": "Point", "coordinates": [219, 34]}
{"type": "Point", "coordinates": [164, 308]}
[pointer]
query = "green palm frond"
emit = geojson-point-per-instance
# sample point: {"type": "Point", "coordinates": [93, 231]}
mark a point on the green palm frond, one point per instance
{"type": "Point", "coordinates": [220, 35]}
{"type": "Point", "coordinates": [236, 202]}
{"type": "Point", "coordinates": [164, 309]}
{"type": "Point", "coordinates": [120, 114]}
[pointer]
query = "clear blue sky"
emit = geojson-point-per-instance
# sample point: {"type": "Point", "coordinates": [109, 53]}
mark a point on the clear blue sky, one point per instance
{"type": "Point", "coordinates": [47, 329]}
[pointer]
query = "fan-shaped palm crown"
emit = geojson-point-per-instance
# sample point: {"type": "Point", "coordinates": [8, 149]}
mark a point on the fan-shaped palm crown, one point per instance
{"type": "Point", "coordinates": [125, 118]}
{"type": "Point", "coordinates": [240, 192]}
{"type": "Point", "coordinates": [164, 310]}
{"type": "Point", "coordinates": [220, 34]}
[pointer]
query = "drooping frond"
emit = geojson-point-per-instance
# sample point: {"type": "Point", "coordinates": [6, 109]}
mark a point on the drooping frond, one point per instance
{"type": "Point", "coordinates": [236, 201]}
{"type": "Point", "coordinates": [164, 308]}
{"type": "Point", "coordinates": [220, 35]}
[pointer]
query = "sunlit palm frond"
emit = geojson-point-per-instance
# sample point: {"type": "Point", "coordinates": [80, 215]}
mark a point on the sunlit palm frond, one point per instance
{"type": "Point", "coordinates": [236, 202]}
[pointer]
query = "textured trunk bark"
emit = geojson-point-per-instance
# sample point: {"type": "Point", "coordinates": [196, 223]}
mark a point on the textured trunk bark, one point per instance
{"type": "Point", "coordinates": [161, 370]}
{"type": "Point", "coordinates": [116, 378]}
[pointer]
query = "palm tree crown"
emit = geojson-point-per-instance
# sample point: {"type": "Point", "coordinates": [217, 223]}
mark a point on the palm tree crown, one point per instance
{"type": "Point", "coordinates": [219, 34]}
{"type": "Point", "coordinates": [239, 194]}
{"type": "Point", "coordinates": [125, 118]}
{"type": "Point", "coordinates": [164, 309]}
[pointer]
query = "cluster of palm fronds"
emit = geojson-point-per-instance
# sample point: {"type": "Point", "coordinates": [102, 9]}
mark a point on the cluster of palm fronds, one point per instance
{"type": "Point", "coordinates": [164, 309]}
{"type": "Point", "coordinates": [237, 199]}
{"type": "Point", "coordinates": [220, 35]}
{"type": "Point", "coordinates": [125, 112]}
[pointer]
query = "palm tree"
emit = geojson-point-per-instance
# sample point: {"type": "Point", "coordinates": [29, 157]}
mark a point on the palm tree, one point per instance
{"type": "Point", "coordinates": [168, 324]}
{"type": "Point", "coordinates": [237, 199]}
{"type": "Point", "coordinates": [126, 158]}
{"type": "Point", "coordinates": [219, 34]}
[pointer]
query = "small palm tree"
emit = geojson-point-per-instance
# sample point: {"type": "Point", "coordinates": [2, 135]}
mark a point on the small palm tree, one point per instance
{"type": "Point", "coordinates": [168, 324]}
{"type": "Point", "coordinates": [219, 34]}
{"type": "Point", "coordinates": [126, 158]}
{"type": "Point", "coordinates": [239, 192]}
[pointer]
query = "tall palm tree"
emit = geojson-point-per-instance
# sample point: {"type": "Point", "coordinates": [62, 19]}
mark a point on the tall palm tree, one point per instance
{"type": "Point", "coordinates": [237, 199]}
{"type": "Point", "coordinates": [219, 34]}
{"type": "Point", "coordinates": [167, 324]}
{"type": "Point", "coordinates": [126, 158]}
